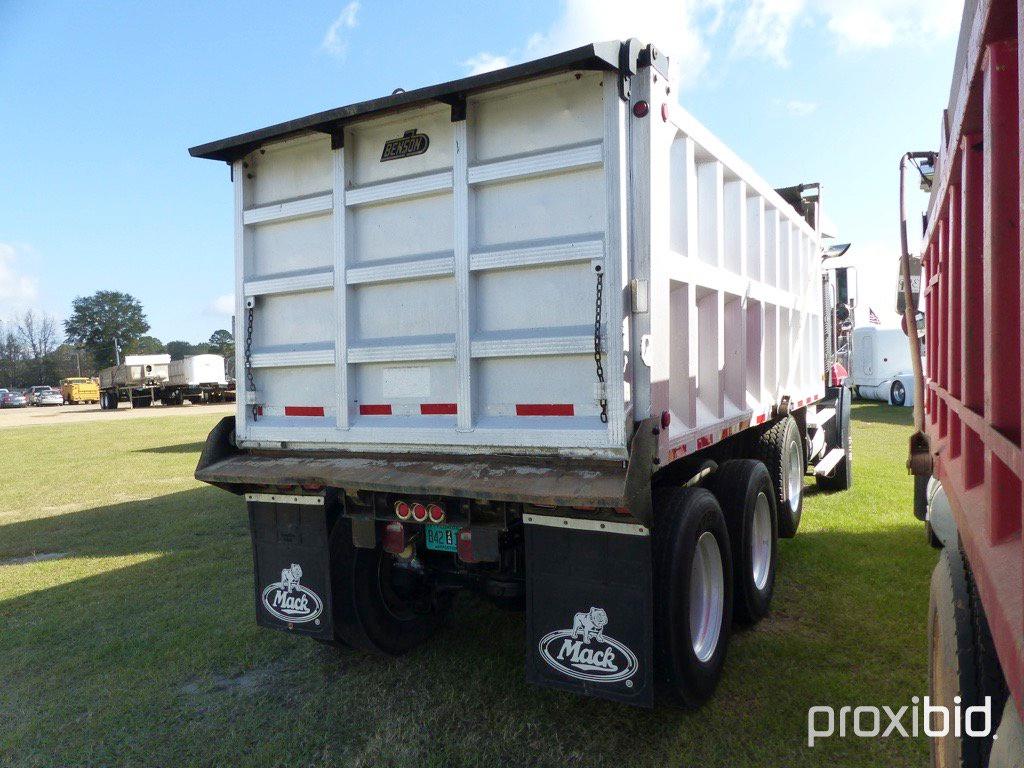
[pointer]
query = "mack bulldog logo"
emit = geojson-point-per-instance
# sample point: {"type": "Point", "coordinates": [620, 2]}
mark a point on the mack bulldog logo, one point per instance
{"type": "Point", "coordinates": [586, 652]}
{"type": "Point", "coordinates": [410, 144]}
{"type": "Point", "coordinates": [289, 601]}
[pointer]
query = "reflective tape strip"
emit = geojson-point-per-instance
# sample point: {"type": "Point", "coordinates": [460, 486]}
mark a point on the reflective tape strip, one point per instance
{"type": "Point", "coordinates": [439, 409]}
{"type": "Point", "coordinates": [576, 524]}
{"type": "Point", "coordinates": [283, 498]}
{"type": "Point", "coordinates": [303, 410]}
{"type": "Point", "coordinates": [383, 409]}
{"type": "Point", "coordinates": [545, 409]}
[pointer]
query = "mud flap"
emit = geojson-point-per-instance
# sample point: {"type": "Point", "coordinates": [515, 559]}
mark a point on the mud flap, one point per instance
{"type": "Point", "coordinates": [291, 562]}
{"type": "Point", "coordinates": [589, 608]}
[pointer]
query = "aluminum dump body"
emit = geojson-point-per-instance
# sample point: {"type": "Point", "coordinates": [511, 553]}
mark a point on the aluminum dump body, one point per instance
{"type": "Point", "coordinates": [422, 273]}
{"type": "Point", "coordinates": [136, 370]}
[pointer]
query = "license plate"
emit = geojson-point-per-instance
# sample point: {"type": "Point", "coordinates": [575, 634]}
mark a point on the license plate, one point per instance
{"type": "Point", "coordinates": [442, 538]}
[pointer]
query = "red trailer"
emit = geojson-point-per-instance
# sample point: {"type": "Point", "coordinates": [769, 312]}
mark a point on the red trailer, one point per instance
{"type": "Point", "coordinates": [968, 445]}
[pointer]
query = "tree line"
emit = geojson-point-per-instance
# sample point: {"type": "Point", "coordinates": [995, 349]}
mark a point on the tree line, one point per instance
{"type": "Point", "coordinates": [101, 329]}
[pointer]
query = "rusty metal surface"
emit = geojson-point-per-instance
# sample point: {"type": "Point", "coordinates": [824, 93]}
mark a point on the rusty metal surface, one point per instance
{"type": "Point", "coordinates": [505, 478]}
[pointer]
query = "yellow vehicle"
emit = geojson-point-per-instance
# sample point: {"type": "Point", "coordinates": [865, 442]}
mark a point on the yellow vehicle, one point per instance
{"type": "Point", "coordinates": [80, 390]}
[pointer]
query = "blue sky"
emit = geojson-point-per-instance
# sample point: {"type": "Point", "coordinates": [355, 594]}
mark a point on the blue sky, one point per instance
{"type": "Point", "coordinates": [100, 101]}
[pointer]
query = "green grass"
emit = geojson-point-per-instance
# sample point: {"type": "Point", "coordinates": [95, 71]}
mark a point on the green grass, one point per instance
{"type": "Point", "coordinates": [139, 646]}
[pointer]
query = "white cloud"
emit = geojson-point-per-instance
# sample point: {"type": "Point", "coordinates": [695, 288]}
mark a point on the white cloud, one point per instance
{"type": "Point", "coordinates": [335, 41]}
{"type": "Point", "coordinates": [222, 305]}
{"type": "Point", "coordinates": [765, 27]}
{"type": "Point", "coordinates": [17, 289]}
{"type": "Point", "coordinates": [678, 27]}
{"type": "Point", "coordinates": [799, 108]}
{"type": "Point", "coordinates": [485, 62]}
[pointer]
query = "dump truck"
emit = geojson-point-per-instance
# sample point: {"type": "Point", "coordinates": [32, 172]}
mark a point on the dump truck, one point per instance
{"type": "Point", "coordinates": [966, 449]}
{"type": "Point", "coordinates": [535, 333]}
{"type": "Point", "coordinates": [79, 389]}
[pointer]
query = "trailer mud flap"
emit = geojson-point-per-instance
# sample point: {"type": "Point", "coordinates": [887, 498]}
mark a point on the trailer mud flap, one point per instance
{"type": "Point", "coordinates": [291, 563]}
{"type": "Point", "coordinates": [589, 609]}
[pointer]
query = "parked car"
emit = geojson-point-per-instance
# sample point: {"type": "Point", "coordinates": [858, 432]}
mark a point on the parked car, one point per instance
{"type": "Point", "coordinates": [49, 397]}
{"type": "Point", "coordinates": [10, 399]}
{"type": "Point", "coordinates": [33, 392]}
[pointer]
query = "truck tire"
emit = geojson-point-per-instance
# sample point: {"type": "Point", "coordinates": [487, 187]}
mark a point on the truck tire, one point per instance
{"type": "Point", "coordinates": [744, 491]}
{"type": "Point", "coordinates": [897, 394]}
{"type": "Point", "coordinates": [781, 450]}
{"type": "Point", "coordinates": [961, 658]}
{"type": "Point", "coordinates": [370, 610]}
{"type": "Point", "coordinates": [693, 593]}
{"type": "Point", "coordinates": [837, 435]}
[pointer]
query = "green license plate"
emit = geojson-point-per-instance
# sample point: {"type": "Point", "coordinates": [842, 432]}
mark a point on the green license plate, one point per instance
{"type": "Point", "coordinates": [442, 538]}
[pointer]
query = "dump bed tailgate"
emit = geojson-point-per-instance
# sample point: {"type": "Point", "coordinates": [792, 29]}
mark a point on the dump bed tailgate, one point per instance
{"type": "Point", "coordinates": [419, 279]}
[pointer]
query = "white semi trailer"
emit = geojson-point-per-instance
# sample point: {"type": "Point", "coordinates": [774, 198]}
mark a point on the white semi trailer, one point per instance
{"type": "Point", "coordinates": [536, 333]}
{"type": "Point", "coordinates": [145, 379]}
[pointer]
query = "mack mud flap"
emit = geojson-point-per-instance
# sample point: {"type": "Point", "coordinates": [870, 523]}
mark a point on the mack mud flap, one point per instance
{"type": "Point", "coordinates": [291, 560]}
{"type": "Point", "coordinates": [589, 609]}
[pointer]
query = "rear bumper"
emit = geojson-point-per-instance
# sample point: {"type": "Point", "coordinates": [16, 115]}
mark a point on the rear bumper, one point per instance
{"type": "Point", "coordinates": [551, 482]}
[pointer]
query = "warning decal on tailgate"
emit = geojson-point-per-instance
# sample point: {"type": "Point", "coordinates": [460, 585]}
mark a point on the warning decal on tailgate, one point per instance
{"type": "Point", "coordinates": [408, 145]}
{"type": "Point", "coordinates": [586, 653]}
{"type": "Point", "coordinates": [289, 601]}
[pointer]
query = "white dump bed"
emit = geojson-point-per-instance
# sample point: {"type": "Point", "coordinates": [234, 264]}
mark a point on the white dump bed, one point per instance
{"type": "Point", "coordinates": [136, 370]}
{"type": "Point", "coordinates": [197, 370]}
{"type": "Point", "coordinates": [431, 282]}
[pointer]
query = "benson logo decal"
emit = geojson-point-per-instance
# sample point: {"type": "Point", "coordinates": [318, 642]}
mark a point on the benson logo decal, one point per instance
{"type": "Point", "coordinates": [289, 601]}
{"type": "Point", "coordinates": [408, 145]}
{"type": "Point", "coordinates": [586, 652]}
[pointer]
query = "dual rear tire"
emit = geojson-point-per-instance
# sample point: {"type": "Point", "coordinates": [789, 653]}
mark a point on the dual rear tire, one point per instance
{"type": "Point", "coordinates": [714, 563]}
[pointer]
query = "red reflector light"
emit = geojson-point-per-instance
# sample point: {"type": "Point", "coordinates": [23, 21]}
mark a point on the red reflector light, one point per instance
{"type": "Point", "coordinates": [419, 512]}
{"type": "Point", "coordinates": [664, 112]}
{"type": "Point", "coordinates": [666, 419]}
{"type": "Point", "coordinates": [403, 510]}
{"type": "Point", "coordinates": [436, 513]}
{"type": "Point", "coordinates": [641, 108]}
{"type": "Point", "coordinates": [465, 546]}
{"type": "Point", "coordinates": [394, 538]}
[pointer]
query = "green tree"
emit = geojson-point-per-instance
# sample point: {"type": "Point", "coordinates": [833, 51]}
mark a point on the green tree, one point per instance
{"type": "Point", "coordinates": [148, 345]}
{"type": "Point", "coordinates": [99, 321]}
{"type": "Point", "coordinates": [222, 343]}
{"type": "Point", "coordinates": [178, 350]}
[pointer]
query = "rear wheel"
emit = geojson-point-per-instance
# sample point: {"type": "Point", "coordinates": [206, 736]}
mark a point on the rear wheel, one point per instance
{"type": "Point", "coordinates": [781, 451]}
{"type": "Point", "coordinates": [961, 659]}
{"type": "Point", "coordinates": [744, 491]}
{"type": "Point", "coordinates": [379, 606]}
{"type": "Point", "coordinates": [692, 592]}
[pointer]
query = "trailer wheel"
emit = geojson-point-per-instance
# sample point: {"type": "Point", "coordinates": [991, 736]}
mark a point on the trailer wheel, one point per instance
{"type": "Point", "coordinates": [961, 658]}
{"type": "Point", "coordinates": [781, 450]}
{"type": "Point", "coordinates": [693, 592]}
{"type": "Point", "coordinates": [744, 491]}
{"type": "Point", "coordinates": [373, 609]}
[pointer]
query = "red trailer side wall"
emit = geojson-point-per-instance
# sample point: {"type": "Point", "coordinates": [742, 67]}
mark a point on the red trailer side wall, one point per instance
{"type": "Point", "coordinates": [974, 316]}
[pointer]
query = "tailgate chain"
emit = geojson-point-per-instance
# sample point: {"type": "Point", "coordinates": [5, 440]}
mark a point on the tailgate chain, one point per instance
{"type": "Point", "coordinates": [250, 382]}
{"type": "Point", "coordinates": [603, 400]}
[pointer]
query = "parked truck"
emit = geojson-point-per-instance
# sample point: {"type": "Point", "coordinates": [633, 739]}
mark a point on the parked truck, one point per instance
{"type": "Point", "coordinates": [145, 379]}
{"type": "Point", "coordinates": [880, 366]}
{"type": "Point", "coordinates": [966, 452]}
{"type": "Point", "coordinates": [536, 333]}
{"type": "Point", "coordinates": [79, 389]}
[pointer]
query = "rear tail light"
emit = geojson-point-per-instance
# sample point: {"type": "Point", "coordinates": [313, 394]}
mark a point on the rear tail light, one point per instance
{"type": "Point", "coordinates": [419, 512]}
{"type": "Point", "coordinates": [394, 538]}
{"type": "Point", "coordinates": [435, 513]}
{"type": "Point", "coordinates": [402, 510]}
{"type": "Point", "coordinates": [465, 546]}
